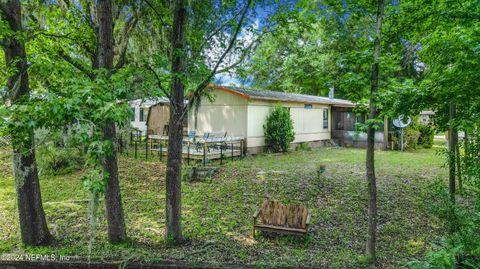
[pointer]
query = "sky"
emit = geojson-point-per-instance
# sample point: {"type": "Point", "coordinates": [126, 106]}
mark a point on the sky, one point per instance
{"type": "Point", "coordinates": [261, 14]}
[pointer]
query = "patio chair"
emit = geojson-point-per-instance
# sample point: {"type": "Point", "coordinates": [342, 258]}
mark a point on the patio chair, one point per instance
{"type": "Point", "coordinates": [191, 134]}
{"type": "Point", "coordinates": [216, 140]}
{"type": "Point", "coordinates": [201, 142]}
{"type": "Point", "coordinates": [190, 139]}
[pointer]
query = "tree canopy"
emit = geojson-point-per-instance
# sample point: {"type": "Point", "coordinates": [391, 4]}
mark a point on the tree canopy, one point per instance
{"type": "Point", "coordinates": [75, 65]}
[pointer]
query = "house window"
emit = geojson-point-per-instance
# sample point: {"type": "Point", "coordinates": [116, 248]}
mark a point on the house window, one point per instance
{"type": "Point", "coordinates": [325, 119]}
{"type": "Point", "coordinates": [308, 106]}
{"type": "Point", "coordinates": [132, 115]}
{"type": "Point", "coordinates": [143, 114]}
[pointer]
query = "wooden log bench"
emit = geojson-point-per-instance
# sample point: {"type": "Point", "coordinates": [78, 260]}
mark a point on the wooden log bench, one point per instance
{"type": "Point", "coordinates": [282, 219]}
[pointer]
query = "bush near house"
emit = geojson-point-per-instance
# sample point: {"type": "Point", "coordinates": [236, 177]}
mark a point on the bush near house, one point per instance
{"type": "Point", "coordinates": [417, 135]}
{"type": "Point", "coordinates": [278, 129]}
{"type": "Point", "coordinates": [427, 133]}
{"type": "Point", "coordinates": [412, 134]}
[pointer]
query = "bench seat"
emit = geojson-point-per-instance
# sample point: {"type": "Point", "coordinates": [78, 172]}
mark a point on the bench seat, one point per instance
{"type": "Point", "coordinates": [278, 218]}
{"type": "Point", "coordinates": [281, 229]}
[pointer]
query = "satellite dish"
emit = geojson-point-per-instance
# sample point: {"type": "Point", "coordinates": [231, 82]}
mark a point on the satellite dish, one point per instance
{"type": "Point", "coordinates": [402, 121]}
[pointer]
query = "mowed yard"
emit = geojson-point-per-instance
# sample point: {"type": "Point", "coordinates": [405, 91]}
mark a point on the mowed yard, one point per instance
{"type": "Point", "coordinates": [217, 213]}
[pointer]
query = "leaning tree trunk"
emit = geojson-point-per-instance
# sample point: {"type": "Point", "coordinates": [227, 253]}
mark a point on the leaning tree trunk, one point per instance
{"type": "Point", "coordinates": [33, 226]}
{"type": "Point", "coordinates": [466, 142]}
{"type": "Point", "coordinates": [452, 146]}
{"type": "Point", "coordinates": [174, 160]}
{"type": "Point", "coordinates": [458, 160]}
{"type": "Point", "coordinates": [370, 163]}
{"type": "Point", "coordinates": [113, 200]}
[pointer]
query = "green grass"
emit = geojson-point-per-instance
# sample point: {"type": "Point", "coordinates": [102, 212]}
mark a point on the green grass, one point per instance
{"type": "Point", "coordinates": [217, 213]}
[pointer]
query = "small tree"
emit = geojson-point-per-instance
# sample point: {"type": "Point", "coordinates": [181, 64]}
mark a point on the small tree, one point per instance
{"type": "Point", "coordinates": [427, 133]}
{"type": "Point", "coordinates": [278, 129]}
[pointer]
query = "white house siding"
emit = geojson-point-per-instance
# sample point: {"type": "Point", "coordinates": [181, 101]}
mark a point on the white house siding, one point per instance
{"type": "Point", "coordinates": [257, 114]}
{"type": "Point", "coordinates": [307, 123]}
{"type": "Point", "coordinates": [239, 116]}
{"type": "Point", "coordinates": [228, 113]}
{"type": "Point", "coordinates": [140, 125]}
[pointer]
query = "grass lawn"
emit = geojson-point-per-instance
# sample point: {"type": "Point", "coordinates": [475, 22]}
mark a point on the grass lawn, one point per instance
{"type": "Point", "coordinates": [217, 213]}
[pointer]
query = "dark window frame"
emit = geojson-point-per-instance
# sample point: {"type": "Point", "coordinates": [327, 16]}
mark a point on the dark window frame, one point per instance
{"type": "Point", "coordinates": [133, 116]}
{"type": "Point", "coordinates": [325, 119]}
{"type": "Point", "coordinates": [143, 114]}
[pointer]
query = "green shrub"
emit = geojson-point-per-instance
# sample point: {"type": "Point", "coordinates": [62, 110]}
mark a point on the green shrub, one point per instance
{"type": "Point", "coordinates": [278, 129]}
{"type": "Point", "coordinates": [416, 135]}
{"type": "Point", "coordinates": [460, 247]}
{"type": "Point", "coordinates": [427, 133]}
{"type": "Point", "coordinates": [53, 160]}
{"type": "Point", "coordinates": [411, 137]}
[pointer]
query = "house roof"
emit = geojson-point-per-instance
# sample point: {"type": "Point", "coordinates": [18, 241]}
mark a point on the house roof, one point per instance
{"type": "Point", "coordinates": [283, 96]}
{"type": "Point", "coordinates": [146, 103]}
{"type": "Point", "coordinates": [427, 112]}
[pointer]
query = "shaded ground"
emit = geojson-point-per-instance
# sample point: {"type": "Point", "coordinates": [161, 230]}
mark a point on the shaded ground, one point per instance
{"type": "Point", "coordinates": [217, 213]}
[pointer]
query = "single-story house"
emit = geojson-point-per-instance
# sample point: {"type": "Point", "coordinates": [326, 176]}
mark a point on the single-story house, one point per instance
{"type": "Point", "coordinates": [242, 112]}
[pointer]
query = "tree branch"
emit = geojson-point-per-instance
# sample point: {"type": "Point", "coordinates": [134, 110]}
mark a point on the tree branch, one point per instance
{"type": "Point", "coordinates": [129, 26]}
{"type": "Point", "coordinates": [157, 13]}
{"type": "Point", "coordinates": [76, 64]}
{"type": "Point", "coordinates": [66, 36]}
{"type": "Point", "coordinates": [216, 31]}
{"type": "Point", "coordinates": [461, 15]}
{"type": "Point", "coordinates": [159, 82]}
{"type": "Point", "coordinates": [240, 60]}
{"type": "Point", "coordinates": [199, 89]}
{"type": "Point", "coordinates": [41, 31]}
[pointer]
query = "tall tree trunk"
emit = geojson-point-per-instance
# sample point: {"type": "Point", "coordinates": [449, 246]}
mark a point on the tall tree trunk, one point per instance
{"type": "Point", "coordinates": [452, 145]}
{"type": "Point", "coordinates": [467, 145]}
{"type": "Point", "coordinates": [174, 161]}
{"type": "Point", "coordinates": [33, 226]}
{"type": "Point", "coordinates": [466, 142]}
{"type": "Point", "coordinates": [458, 160]}
{"type": "Point", "coordinates": [370, 163]}
{"type": "Point", "coordinates": [113, 199]}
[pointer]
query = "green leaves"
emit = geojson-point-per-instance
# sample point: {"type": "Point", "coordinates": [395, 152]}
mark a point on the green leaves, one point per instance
{"type": "Point", "coordinates": [326, 44]}
{"type": "Point", "coordinates": [278, 129]}
{"type": "Point", "coordinates": [95, 181]}
{"type": "Point", "coordinates": [446, 37]}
